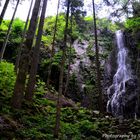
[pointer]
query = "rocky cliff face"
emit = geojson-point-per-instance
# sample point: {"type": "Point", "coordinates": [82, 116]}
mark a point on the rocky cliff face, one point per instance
{"type": "Point", "coordinates": [83, 70]}
{"type": "Point", "coordinates": [132, 42]}
{"type": "Point", "coordinates": [80, 70]}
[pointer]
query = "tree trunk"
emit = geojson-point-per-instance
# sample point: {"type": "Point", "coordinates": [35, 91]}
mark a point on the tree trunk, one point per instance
{"type": "Point", "coordinates": [4, 10]}
{"type": "Point", "coordinates": [138, 76]}
{"type": "Point", "coordinates": [34, 64]}
{"type": "Point", "coordinates": [23, 37]}
{"type": "Point", "coordinates": [8, 33]}
{"type": "Point", "coordinates": [98, 84]}
{"type": "Point", "coordinates": [53, 43]}
{"type": "Point", "coordinates": [58, 109]}
{"type": "Point", "coordinates": [25, 59]}
{"type": "Point", "coordinates": [69, 60]}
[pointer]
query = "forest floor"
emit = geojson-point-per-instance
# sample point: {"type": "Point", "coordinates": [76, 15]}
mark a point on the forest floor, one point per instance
{"type": "Point", "coordinates": [36, 121]}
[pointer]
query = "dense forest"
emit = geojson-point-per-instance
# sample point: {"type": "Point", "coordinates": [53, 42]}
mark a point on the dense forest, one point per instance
{"type": "Point", "coordinates": [74, 75]}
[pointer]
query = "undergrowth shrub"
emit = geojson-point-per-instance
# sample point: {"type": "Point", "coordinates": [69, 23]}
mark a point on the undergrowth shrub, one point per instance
{"type": "Point", "coordinates": [7, 78]}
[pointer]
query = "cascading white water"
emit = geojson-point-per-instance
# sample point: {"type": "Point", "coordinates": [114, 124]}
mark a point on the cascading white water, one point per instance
{"type": "Point", "coordinates": [118, 88]}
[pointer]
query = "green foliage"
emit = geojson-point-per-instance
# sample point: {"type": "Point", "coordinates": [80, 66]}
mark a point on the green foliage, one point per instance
{"type": "Point", "coordinates": [38, 127]}
{"type": "Point", "coordinates": [78, 124]}
{"type": "Point", "coordinates": [72, 53]}
{"type": "Point", "coordinates": [102, 23]}
{"type": "Point", "coordinates": [56, 61]}
{"type": "Point", "coordinates": [133, 24]}
{"type": "Point", "coordinates": [7, 78]}
{"type": "Point", "coordinates": [3, 30]}
{"type": "Point", "coordinates": [57, 58]}
{"type": "Point", "coordinates": [6, 22]}
{"type": "Point", "coordinates": [17, 29]}
{"type": "Point", "coordinates": [47, 40]}
{"type": "Point", "coordinates": [88, 18]}
{"type": "Point", "coordinates": [14, 38]}
{"type": "Point", "coordinates": [40, 87]}
{"type": "Point", "coordinates": [37, 121]}
{"type": "Point", "coordinates": [49, 29]}
{"type": "Point", "coordinates": [17, 26]}
{"type": "Point", "coordinates": [3, 27]}
{"type": "Point", "coordinates": [105, 23]}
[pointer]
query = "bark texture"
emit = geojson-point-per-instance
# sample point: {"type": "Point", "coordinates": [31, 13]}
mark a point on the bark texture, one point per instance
{"type": "Point", "coordinates": [8, 32]}
{"type": "Point", "coordinates": [25, 59]}
{"type": "Point", "coordinates": [58, 109]}
{"type": "Point", "coordinates": [23, 37]}
{"type": "Point", "coordinates": [34, 64]}
{"type": "Point", "coordinates": [53, 44]}
{"type": "Point", "coordinates": [4, 10]}
{"type": "Point", "coordinates": [98, 84]}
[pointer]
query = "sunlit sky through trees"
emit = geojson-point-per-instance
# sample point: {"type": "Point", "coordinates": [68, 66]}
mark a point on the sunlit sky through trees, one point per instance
{"type": "Point", "coordinates": [51, 8]}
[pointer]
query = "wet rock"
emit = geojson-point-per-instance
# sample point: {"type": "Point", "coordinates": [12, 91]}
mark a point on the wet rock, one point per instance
{"type": "Point", "coordinates": [131, 84]}
{"type": "Point", "coordinates": [110, 68]}
{"type": "Point", "coordinates": [122, 82]}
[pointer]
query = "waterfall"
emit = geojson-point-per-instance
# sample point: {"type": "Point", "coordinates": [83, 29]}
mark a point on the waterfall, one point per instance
{"type": "Point", "coordinates": [117, 91]}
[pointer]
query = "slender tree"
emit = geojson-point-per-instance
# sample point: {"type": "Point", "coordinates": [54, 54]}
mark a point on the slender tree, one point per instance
{"type": "Point", "coordinates": [53, 44]}
{"type": "Point", "coordinates": [4, 10]}
{"type": "Point", "coordinates": [69, 57]}
{"type": "Point", "coordinates": [78, 13]}
{"type": "Point", "coordinates": [23, 37]}
{"type": "Point", "coordinates": [58, 109]}
{"type": "Point", "coordinates": [35, 59]}
{"type": "Point", "coordinates": [98, 84]}
{"type": "Point", "coordinates": [8, 32]}
{"type": "Point", "coordinates": [25, 58]}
